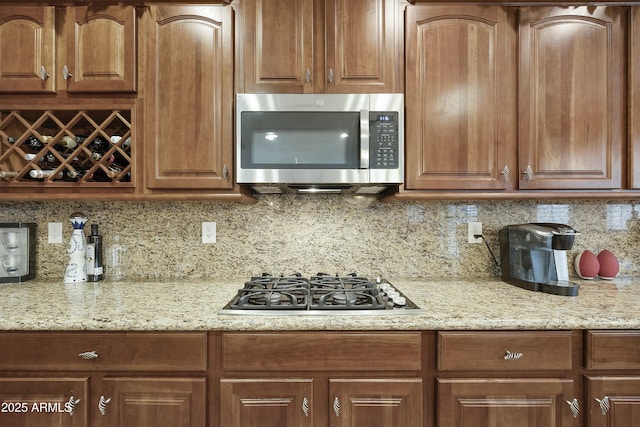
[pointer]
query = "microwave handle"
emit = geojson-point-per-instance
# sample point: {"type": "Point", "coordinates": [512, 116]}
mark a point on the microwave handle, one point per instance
{"type": "Point", "coordinates": [364, 139]}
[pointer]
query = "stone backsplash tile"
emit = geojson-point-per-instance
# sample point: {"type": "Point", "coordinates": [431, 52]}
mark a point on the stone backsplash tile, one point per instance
{"type": "Point", "coordinates": [321, 233]}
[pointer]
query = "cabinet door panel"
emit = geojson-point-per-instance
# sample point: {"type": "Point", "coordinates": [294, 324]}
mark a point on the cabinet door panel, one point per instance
{"type": "Point", "coordinates": [504, 402]}
{"type": "Point", "coordinates": [361, 46]}
{"type": "Point", "coordinates": [572, 97]}
{"type": "Point", "coordinates": [190, 140]}
{"type": "Point", "coordinates": [461, 122]}
{"type": "Point", "coordinates": [101, 50]}
{"type": "Point", "coordinates": [613, 401]}
{"type": "Point", "coordinates": [51, 402]}
{"type": "Point", "coordinates": [266, 403]}
{"type": "Point", "coordinates": [154, 402]}
{"type": "Point", "coordinates": [27, 46]}
{"type": "Point", "coordinates": [375, 403]}
{"type": "Point", "coordinates": [278, 46]}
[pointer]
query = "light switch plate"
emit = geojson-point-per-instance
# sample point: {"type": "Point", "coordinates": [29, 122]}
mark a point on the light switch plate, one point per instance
{"type": "Point", "coordinates": [55, 232]}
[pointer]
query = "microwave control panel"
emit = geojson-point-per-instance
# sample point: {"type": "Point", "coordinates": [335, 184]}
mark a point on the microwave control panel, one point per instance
{"type": "Point", "coordinates": [383, 140]}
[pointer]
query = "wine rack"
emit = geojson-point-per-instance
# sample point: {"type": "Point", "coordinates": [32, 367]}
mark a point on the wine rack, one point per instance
{"type": "Point", "coordinates": [66, 148]}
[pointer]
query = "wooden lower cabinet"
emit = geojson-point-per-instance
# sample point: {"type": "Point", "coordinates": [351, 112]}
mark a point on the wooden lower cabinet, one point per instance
{"type": "Point", "coordinates": [375, 402]}
{"type": "Point", "coordinates": [152, 402]}
{"type": "Point", "coordinates": [492, 402]}
{"type": "Point", "coordinates": [44, 401]}
{"type": "Point", "coordinates": [103, 379]}
{"type": "Point", "coordinates": [266, 402]}
{"type": "Point", "coordinates": [613, 401]}
{"type": "Point", "coordinates": [379, 402]}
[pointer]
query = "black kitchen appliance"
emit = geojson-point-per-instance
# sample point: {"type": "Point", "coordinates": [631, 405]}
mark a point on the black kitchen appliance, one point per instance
{"type": "Point", "coordinates": [534, 257]}
{"type": "Point", "coordinates": [17, 251]}
{"type": "Point", "coordinates": [319, 294]}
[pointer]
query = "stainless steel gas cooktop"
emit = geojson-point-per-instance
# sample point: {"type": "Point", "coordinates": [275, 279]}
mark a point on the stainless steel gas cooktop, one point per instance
{"type": "Point", "coordinates": [319, 294]}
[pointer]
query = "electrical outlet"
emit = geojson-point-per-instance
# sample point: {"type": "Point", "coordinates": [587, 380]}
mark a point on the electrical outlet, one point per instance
{"type": "Point", "coordinates": [209, 232]}
{"type": "Point", "coordinates": [55, 232]}
{"type": "Point", "coordinates": [475, 229]}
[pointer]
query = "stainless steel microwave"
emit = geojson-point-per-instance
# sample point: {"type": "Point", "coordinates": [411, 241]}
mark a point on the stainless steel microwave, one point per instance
{"type": "Point", "coordinates": [320, 142]}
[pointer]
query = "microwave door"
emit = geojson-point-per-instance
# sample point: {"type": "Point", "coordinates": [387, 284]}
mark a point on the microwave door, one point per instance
{"type": "Point", "coordinates": [302, 147]}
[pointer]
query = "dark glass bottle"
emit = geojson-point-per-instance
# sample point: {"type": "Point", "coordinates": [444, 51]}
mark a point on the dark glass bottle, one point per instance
{"type": "Point", "coordinates": [95, 267]}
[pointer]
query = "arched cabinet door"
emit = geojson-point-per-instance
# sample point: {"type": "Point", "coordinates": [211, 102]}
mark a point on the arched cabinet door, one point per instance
{"type": "Point", "coordinates": [27, 49]}
{"type": "Point", "coordinates": [190, 98]}
{"type": "Point", "coordinates": [460, 97]}
{"type": "Point", "coordinates": [572, 97]}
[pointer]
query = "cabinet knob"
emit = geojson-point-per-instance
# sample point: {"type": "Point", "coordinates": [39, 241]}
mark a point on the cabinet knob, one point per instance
{"type": "Point", "coordinates": [102, 405]}
{"type": "Point", "coordinates": [336, 406]}
{"type": "Point", "coordinates": [71, 404]}
{"type": "Point", "coordinates": [305, 406]}
{"type": "Point", "coordinates": [575, 407]}
{"type": "Point", "coordinates": [225, 172]}
{"type": "Point", "coordinates": [330, 75]}
{"type": "Point", "coordinates": [88, 355]}
{"type": "Point", "coordinates": [65, 73]}
{"type": "Point", "coordinates": [512, 356]}
{"type": "Point", "coordinates": [307, 75]}
{"type": "Point", "coordinates": [604, 404]}
{"type": "Point", "coordinates": [43, 73]}
{"type": "Point", "coordinates": [505, 171]}
{"type": "Point", "coordinates": [528, 172]}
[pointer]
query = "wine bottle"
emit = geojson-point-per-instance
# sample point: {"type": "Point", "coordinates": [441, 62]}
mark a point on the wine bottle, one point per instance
{"type": "Point", "coordinates": [46, 173]}
{"type": "Point", "coordinates": [66, 142]}
{"type": "Point", "coordinates": [98, 144]}
{"type": "Point", "coordinates": [33, 144]}
{"type": "Point", "coordinates": [95, 267]}
{"type": "Point", "coordinates": [8, 174]}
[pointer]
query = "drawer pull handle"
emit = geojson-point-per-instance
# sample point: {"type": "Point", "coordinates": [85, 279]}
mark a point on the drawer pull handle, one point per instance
{"type": "Point", "coordinates": [305, 406]}
{"type": "Point", "coordinates": [65, 73]}
{"type": "Point", "coordinates": [575, 407]}
{"type": "Point", "coordinates": [70, 406]}
{"type": "Point", "coordinates": [88, 355]}
{"type": "Point", "coordinates": [528, 172]}
{"type": "Point", "coordinates": [43, 73]}
{"type": "Point", "coordinates": [512, 356]}
{"type": "Point", "coordinates": [604, 405]}
{"type": "Point", "coordinates": [102, 405]}
{"type": "Point", "coordinates": [336, 406]}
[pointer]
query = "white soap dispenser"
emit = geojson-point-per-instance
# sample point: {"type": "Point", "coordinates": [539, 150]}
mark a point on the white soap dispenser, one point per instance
{"type": "Point", "coordinates": [76, 269]}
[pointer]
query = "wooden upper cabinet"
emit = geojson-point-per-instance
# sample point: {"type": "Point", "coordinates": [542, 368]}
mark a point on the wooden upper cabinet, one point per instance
{"type": "Point", "coordinates": [572, 97]}
{"type": "Point", "coordinates": [189, 135]}
{"type": "Point", "coordinates": [340, 46]}
{"type": "Point", "coordinates": [278, 46]}
{"type": "Point", "coordinates": [101, 49]}
{"type": "Point", "coordinates": [362, 46]}
{"type": "Point", "coordinates": [27, 49]}
{"type": "Point", "coordinates": [96, 49]}
{"type": "Point", "coordinates": [460, 97]}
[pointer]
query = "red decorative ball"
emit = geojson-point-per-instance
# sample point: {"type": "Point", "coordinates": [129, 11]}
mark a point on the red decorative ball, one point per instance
{"type": "Point", "coordinates": [587, 265]}
{"type": "Point", "coordinates": [609, 266]}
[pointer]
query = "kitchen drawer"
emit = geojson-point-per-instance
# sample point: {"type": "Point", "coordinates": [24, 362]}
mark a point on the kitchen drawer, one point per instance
{"type": "Point", "coordinates": [613, 349]}
{"type": "Point", "coordinates": [504, 351]}
{"type": "Point", "coordinates": [321, 351]}
{"type": "Point", "coordinates": [115, 351]}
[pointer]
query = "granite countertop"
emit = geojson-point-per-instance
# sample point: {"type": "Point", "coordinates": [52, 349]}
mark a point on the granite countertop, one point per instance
{"type": "Point", "coordinates": [194, 305]}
